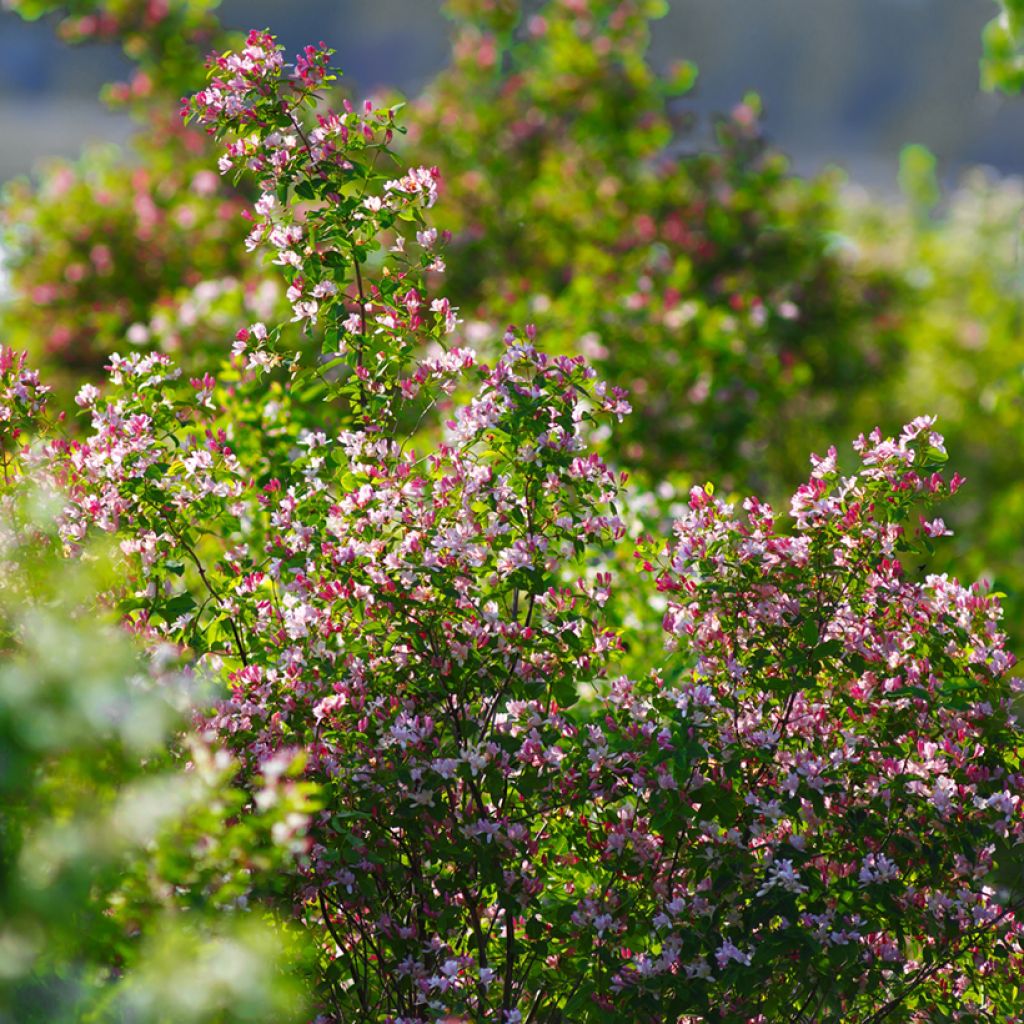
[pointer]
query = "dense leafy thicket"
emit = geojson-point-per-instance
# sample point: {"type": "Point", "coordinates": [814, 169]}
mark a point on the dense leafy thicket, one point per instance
{"type": "Point", "coordinates": [347, 675]}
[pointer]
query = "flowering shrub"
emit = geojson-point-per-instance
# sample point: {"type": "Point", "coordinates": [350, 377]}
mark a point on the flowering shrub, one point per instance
{"type": "Point", "coordinates": [390, 556]}
{"type": "Point", "coordinates": [840, 713]}
{"type": "Point", "coordinates": [702, 275]}
{"type": "Point", "coordinates": [143, 246]}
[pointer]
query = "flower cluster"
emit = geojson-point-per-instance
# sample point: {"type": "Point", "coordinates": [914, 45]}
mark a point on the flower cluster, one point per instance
{"type": "Point", "coordinates": [23, 399]}
{"type": "Point", "coordinates": [22, 394]}
{"type": "Point", "coordinates": [325, 213]}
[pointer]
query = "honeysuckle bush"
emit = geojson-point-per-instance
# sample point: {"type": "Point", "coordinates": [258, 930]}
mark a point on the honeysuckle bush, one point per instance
{"type": "Point", "coordinates": [391, 557]}
{"type": "Point", "coordinates": [960, 320]}
{"type": "Point", "coordinates": [698, 272]}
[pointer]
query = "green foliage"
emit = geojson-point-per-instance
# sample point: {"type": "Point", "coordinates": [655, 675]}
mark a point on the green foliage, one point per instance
{"type": "Point", "coordinates": [1002, 62]}
{"type": "Point", "coordinates": [123, 877]}
{"type": "Point", "coordinates": [961, 281]}
{"type": "Point", "coordinates": [918, 179]}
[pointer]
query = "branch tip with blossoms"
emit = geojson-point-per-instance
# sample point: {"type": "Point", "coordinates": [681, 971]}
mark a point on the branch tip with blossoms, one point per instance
{"type": "Point", "coordinates": [349, 238]}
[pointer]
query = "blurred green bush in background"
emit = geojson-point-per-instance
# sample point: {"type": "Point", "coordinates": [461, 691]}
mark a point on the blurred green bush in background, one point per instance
{"type": "Point", "coordinates": [129, 886]}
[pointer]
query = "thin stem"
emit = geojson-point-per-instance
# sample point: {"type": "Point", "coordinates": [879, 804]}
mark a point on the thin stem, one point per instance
{"type": "Point", "coordinates": [510, 958]}
{"type": "Point", "coordinates": [361, 293]}
{"type": "Point", "coordinates": [325, 912]}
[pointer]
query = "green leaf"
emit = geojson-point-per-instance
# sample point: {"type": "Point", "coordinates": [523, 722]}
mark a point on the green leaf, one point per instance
{"type": "Point", "coordinates": [177, 606]}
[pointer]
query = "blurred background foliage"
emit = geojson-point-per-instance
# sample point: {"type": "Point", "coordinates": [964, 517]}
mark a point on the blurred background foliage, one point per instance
{"type": "Point", "coordinates": [842, 80]}
{"type": "Point", "coordinates": [754, 314]}
{"type": "Point", "coordinates": [1002, 65]}
{"type": "Point", "coordinates": [700, 275]}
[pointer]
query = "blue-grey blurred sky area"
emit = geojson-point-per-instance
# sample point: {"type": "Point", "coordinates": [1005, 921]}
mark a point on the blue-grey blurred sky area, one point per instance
{"type": "Point", "coordinates": [844, 81]}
